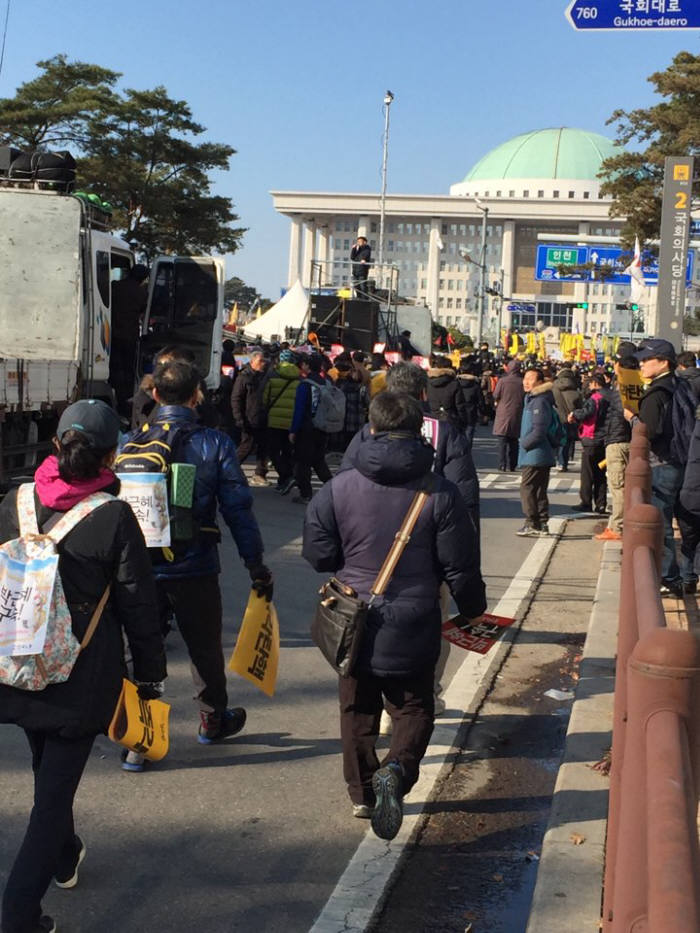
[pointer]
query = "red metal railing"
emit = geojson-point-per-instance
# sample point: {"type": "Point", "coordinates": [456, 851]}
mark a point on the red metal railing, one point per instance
{"type": "Point", "coordinates": [652, 862]}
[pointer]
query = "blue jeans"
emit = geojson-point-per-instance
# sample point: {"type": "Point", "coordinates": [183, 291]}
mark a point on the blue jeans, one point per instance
{"type": "Point", "coordinates": [469, 434]}
{"type": "Point", "coordinates": [666, 479]}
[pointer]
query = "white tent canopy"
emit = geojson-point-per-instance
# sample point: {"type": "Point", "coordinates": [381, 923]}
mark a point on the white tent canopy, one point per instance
{"type": "Point", "coordinates": [290, 311]}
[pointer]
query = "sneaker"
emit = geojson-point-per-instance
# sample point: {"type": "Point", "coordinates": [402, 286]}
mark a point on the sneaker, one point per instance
{"type": "Point", "coordinates": [581, 508]}
{"type": "Point", "coordinates": [673, 588]}
{"type": "Point", "coordinates": [690, 587]}
{"type": "Point", "coordinates": [608, 535]}
{"type": "Point", "coordinates": [46, 925]}
{"type": "Point", "coordinates": [257, 481]}
{"type": "Point", "coordinates": [601, 510]}
{"type": "Point", "coordinates": [361, 811]}
{"type": "Point", "coordinates": [301, 500]}
{"type": "Point", "coordinates": [69, 879]}
{"type": "Point", "coordinates": [385, 723]}
{"type": "Point", "coordinates": [133, 761]}
{"type": "Point", "coordinates": [387, 815]}
{"type": "Point", "coordinates": [286, 486]}
{"type": "Point", "coordinates": [561, 469]}
{"type": "Point", "coordinates": [543, 530]}
{"type": "Point", "coordinates": [215, 726]}
{"type": "Point", "coordinates": [527, 531]}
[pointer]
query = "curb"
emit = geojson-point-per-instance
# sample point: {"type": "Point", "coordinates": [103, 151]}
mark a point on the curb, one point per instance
{"type": "Point", "coordinates": [361, 890]}
{"type": "Point", "coordinates": [569, 886]}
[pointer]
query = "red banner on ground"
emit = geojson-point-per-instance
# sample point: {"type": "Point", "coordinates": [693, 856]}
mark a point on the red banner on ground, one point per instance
{"type": "Point", "coordinates": [478, 637]}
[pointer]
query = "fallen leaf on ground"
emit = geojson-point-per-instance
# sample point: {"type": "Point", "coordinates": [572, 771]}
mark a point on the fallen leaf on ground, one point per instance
{"type": "Point", "coordinates": [577, 839]}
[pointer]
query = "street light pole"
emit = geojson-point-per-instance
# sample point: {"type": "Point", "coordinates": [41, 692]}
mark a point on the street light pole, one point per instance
{"type": "Point", "coordinates": [482, 308]}
{"type": "Point", "coordinates": [388, 97]}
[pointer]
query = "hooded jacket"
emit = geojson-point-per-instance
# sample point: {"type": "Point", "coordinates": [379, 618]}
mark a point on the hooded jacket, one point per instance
{"type": "Point", "coordinates": [690, 491]}
{"type": "Point", "coordinates": [219, 482]}
{"type": "Point", "coordinates": [653, 405]}
{"type": "Point", "coordinates": [445, 398]}
{"type": "Point", "coordinates": [591, 418]}
{"type": "Point", "coordinates": [693, 377]}
{"type": "Point", "coordinates": [509, 394]}
{"type": "Point", "coordinates": [246, 398]}
{"type": "Point", "coordinates": [535, 449]}
{"type": "Point", "coordinates": [349, 528]}
{"type": "Point", "coordinates": [279, 394]}
{"type": "Point", "coordinates": [567, 393]}
{"type": "Point", "coordinates": [106, 547]}
{"type": "Point", "coordinates": [471, 396]}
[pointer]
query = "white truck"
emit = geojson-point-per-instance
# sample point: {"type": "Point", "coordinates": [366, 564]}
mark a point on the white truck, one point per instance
{"type": "Point", "coordinates": [58, 260]}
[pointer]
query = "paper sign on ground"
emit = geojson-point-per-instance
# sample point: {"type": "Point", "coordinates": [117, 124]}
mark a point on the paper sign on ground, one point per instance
{"type": "Point", "coordinates": [478, 637]}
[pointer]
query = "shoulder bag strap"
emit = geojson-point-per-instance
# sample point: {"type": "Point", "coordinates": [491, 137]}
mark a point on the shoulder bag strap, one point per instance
{"type": "Point", "coordinates": [96, 616]}
{"type": "Point", "coordinates": [401, 539]}
{"type": "Point", "coordinates": [26, 510]}
{"type": "Point", "coordinates": [75, 515]}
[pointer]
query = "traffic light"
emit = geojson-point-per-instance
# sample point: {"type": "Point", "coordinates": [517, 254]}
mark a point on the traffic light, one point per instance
{"type": "Point", "coordinates": [583, 305]}
{"type": "Point", "coordinates": [634, 307]}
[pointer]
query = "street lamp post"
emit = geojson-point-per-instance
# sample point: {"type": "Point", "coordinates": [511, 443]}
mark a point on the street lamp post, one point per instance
{"type": "Point", "coordinates": [388, 98]}
{"type": "Point", "coordinates": [482, 308]}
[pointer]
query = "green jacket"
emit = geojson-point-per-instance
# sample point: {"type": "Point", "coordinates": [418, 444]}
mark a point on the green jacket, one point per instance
{"type": "Point", "coordinates": [279, 395]}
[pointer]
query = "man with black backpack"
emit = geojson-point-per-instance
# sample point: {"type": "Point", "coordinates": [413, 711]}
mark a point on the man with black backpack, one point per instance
{"type": "Point", "coordinates": [187, 572]}
{"type": "Point", "coordinates": [667, 409]}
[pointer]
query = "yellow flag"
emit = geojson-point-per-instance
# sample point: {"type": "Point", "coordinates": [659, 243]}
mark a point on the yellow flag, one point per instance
{"type": "Point", "coordinates": [456, 358]}
{"type": "Point", "coordinates": [531, 343]}
{"type": "Point", "coordinates": [140, 725]}
{"type": "Point", "coordinates": [630, 387]}
{"type": "Point", "coordinates": [257, 652]}
{"type": "Point", "coordinates": [542, 347]}
{"type": "Point", "coordinates": [233, 314]}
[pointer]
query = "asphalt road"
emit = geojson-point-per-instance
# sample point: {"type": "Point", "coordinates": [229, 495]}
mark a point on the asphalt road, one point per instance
{"type": "Point", "coordinates": [251, 834]}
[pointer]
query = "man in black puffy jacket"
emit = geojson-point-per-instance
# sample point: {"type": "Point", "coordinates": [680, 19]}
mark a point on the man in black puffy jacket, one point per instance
{"type": "Point", "coordinates": [250, 416]}
{"type": "Point", "coordinates": [348, 531]}
{"type": "Point", "coordinates": [444, 395]}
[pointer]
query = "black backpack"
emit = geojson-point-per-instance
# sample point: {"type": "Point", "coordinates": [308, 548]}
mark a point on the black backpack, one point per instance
{"type": "Point", "coordinates": [682, 417]}
{"type": "Point", "coordinates": [154, 448]}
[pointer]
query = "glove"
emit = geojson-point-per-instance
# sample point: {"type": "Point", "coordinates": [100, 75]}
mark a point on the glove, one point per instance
{"type": "Point", "coordinates": [262, 580]}
{"type": "Point", "coordinates": [150, 691]}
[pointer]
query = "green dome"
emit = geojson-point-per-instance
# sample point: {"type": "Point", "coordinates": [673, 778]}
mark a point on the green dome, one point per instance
{"type": "Point", "coordinates": [555, 153]}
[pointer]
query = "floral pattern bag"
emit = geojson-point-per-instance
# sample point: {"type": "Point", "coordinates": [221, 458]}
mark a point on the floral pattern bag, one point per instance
{"type": "Point", "coordinates": [37, 644]}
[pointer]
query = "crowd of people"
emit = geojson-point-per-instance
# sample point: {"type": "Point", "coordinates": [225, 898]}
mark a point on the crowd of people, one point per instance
{"type": "Point", "coordinates": [399, 429]}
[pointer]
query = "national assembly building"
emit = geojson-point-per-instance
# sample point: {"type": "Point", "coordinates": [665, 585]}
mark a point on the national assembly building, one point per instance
{"type": "Point", "coordinates": [525, 193]}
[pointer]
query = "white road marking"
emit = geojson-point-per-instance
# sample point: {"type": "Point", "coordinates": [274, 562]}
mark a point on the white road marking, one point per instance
{"type": "Point", "coordinates": [360, 889]}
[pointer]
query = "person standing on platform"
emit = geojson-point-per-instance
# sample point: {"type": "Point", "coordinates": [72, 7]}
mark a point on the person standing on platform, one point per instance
{"type": "Point", "coordinates": [360, 257]}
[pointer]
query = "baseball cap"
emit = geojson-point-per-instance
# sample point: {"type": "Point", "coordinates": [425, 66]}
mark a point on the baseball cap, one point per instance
{"type": "Point", "coordinates": [655, 348]}
{"type": "Point", "coordinates": [93, 418]}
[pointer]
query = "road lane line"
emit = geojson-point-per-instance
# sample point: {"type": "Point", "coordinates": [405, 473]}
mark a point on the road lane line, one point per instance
{"type": "Point", "coordinates": [359, 893]}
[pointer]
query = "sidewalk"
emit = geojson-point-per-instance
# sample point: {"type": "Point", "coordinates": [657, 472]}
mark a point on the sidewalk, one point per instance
{"type": "Point", "coordinates": [570, 878]}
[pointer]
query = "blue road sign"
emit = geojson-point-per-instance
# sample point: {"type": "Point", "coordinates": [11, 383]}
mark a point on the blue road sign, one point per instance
{"type": "Point", "coordinates": [552, 258]}
{"type": "Point", "coordinates": [695, 227]}
{"type": "Point", "coordinates": [620, 15]}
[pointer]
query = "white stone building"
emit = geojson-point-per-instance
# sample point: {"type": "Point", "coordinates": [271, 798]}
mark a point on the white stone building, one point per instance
{"type": "Point", "coordinates": [544, 182]}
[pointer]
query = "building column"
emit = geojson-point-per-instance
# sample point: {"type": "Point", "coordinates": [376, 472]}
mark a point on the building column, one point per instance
{"type": "Point", "coordinates": [294, 251]}
{"type": "Point", "coordinates": [508, 266]}
{"type": "Point", "coordinates": [323, 253]}
{"type": "Point", "coordinates": [433, 274]}
{"type": "Point", "coordinates": [309, 251]}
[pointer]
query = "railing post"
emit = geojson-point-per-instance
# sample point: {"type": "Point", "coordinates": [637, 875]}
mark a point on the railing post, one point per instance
{"type": "Point", "coordinates": [658, 823]}
{"type": "Point", "coordinates": [637, 476]}
{"type": "Point", "coordinates": [643, 526]}
{"type": "Point", "coordinates": [639, 445]}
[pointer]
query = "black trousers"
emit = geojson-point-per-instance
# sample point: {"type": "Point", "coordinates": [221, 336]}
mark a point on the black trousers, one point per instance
{"type": "Point", "coordinates": [280, 451]}
{"type": "Point", "coordinates": [196, 604]}
{"type": "Point", "coordinates": [49, 844]}
{"type": "Point", "coordinates": [310, 454]}
{"type": "Point", "coordinates": [254, 439]}
{"type": "Point", "coordinates": [594, 484]}
{"type": "Point", "coordinates": [533, 495]}
{"type": "Point", "coordinates": [411, 704]}
{"type": "Point", "coordinates": [507, 453]}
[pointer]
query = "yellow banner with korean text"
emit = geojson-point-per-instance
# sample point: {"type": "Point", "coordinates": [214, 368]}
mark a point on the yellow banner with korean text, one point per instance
{"type": "Point", "coordinates": [257, 651]}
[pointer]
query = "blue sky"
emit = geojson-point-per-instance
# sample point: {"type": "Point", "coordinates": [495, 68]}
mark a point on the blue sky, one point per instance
{"type": "Point", "coordinates": [297, 88]}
